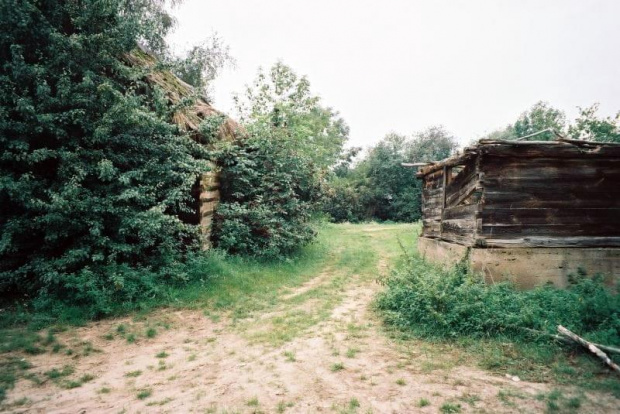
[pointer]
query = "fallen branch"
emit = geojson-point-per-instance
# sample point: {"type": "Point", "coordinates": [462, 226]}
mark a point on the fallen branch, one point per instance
{"type": "Point", "coordinates": [605, 348]}
{"type": "Point", "coordinates": [595, 350]}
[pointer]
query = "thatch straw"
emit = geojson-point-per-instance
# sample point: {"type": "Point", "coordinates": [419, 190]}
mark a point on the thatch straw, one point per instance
{"type": "Point", "coordinates": [188, 118]}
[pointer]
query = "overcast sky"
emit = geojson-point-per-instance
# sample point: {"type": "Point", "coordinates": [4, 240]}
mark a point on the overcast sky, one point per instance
{"type": "Point", "coordinates": [403, 65]}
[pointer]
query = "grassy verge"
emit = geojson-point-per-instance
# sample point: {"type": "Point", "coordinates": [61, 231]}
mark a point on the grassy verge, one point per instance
{"type": "Point", "coordinates": [493, 323]}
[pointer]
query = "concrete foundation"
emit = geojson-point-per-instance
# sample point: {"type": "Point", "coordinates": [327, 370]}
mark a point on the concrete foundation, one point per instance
{"type": "Point", "coordinates": [527, 267]}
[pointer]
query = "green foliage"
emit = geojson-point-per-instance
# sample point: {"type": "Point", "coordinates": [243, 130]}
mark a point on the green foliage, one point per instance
{"type": "Point", "coordinates": [540, 116]}
{"type": "Point", "coordinates": [378, 187]}
{"type": "Point", "coordinates": [437, 303]}
{"type": "Point", "coordinates": [201, 64]}
{"type": "Point", "coordinates": [93, 174]}
{"type": "Point", "coordinates": [271, 183]}
{"type": "Point", "coordinates": [281, 105]}
{"type": "Point", "coordinates": [589, 127]}
{"type": "Point", "coordinates": [268, 195]}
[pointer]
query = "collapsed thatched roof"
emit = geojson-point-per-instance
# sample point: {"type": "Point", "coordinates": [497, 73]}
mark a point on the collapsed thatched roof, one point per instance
{"type": "Point", "coordinates": [188, 118]}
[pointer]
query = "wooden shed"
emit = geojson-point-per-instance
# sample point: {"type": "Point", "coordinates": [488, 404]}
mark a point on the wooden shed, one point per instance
{"type": "Point", "coordinates": [533, 212]}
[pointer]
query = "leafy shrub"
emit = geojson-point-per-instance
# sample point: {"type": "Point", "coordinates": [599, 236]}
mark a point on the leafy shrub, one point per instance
{"type": "Point", "coordinates": [343, 202]}
{"type": "Point", "coordinates": [437, 303]}
{"type": "Point", "coordinates": [93, 174]}
{"type": "Point", "coordinates": [268, 195]}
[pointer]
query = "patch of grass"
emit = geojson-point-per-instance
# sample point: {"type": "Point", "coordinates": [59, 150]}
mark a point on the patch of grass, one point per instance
{"type": "Point", "coordinates": [55, 373]}
{"type": "Point", "coordinates": [159, 403]}
{"type": "Point", "coordinates": [401, 382]}
{"type": "Point", "coordinates": [574, 403]}
{"type": "Point", "coordinates": [505, 395]}
{"type": "Point", "coordinates": [151, 332]}
{"type": "Point", "coordinates": [352, 352]}
{"type": "Point", "coordinates": [338, 366]}
{"type": "Point", "coordinates": [131, 338]}
{"type": "Point", "coordinates": [423, 402]}
{"type": "Point", "coordinates": [72, 384]}
{"type": "Point", "coordinates": [144, 393]}
{"type": "Point", "coordinates": [192, 357]}
{"type": "Point", "coordinates": [470, 399]}
{"type": "Point", "coordinates": [162, 354]}
{"type": "Point", "coordinates": [450, 408]}
{"type": "Point", "coordinates": [282, 406]}
{"type": "Point", "coordinates": [108, 336]}
{"type": "Point", "coordinates": [121, 329]}
{"type": "Point", "coordinates": [252, 402]}
{"type": "Point", "coordinates": [10, 370]}
{"type": "Point", "coordinates": [21, 401]}
{"type": "Point", "coordinates": [290, 356]}
{"type": "Point", "coordinates": [86, 378]}
{"type": "Point", "coordinates": [133, 374]}
{"type": "Point", "coordinates": [354, 403]}
{"type": "Point", "coordinates": [104, 390]}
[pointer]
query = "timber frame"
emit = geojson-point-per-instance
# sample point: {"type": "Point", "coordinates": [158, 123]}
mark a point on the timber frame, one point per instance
{"type": "Point", "coordinates": [501, 194]}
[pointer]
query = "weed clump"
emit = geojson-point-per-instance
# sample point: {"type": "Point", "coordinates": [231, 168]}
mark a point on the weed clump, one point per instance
{"type": "Point", "coordinates": [447, 304]}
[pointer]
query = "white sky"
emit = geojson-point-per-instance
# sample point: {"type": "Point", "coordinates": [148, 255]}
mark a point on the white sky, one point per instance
{"type": "Point", "coordinates": [403, 65]}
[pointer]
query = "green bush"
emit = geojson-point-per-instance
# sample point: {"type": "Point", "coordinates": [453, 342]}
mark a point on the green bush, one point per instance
{"type": "Point", "coordinates": [269, 193]}
{"type": "Point", "coordinates": [436, 303]}
{"type": "Point", "coordinates": [93, 176]}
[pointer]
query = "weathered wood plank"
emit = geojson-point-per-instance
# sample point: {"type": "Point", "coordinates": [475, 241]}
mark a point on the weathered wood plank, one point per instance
{"type": "Point", "coordinates": [461, 212]}
{"type": "Point", "coordinates": [462, 193]}
{"type": "Point", "coordinates": [577, 184]}
{"type": "Point", "coordinates": [555, 150]}
{"type": "Point", "coordinates": [508, 231]}
{"type": "Point", "coordinates": [555, 216]}
{"type": "Point", "coordinates": [580, 198]}
{"type": "Point", "coordinates": [466, 175]}
{"type": "Point", "coordinates": [535, 241]}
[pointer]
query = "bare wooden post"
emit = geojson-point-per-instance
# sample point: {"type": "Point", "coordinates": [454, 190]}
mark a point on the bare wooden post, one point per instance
{"type": "Point", "coordinates": [209, 198]}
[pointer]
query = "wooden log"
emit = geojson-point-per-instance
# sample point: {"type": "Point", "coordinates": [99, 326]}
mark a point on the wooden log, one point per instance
{"type": "Point", "coordinates": [549, 150]}
{"type": "Point", "coordinates": [466, 175]}
{"type": "Point", "coordinates": [542, 216]}
{"type": "Point", "coordinates": [534, 169]}
{"type": "Point", "coordinates": [510, 231]}
{"type": "Point", "coordinates": [461, 212]}
{"type": "Point", "coordinates": [537, 241]}
{"type": "Point", "coordinates": [210, 195]}
{"type": "Point", "coordinates": [575, 184]}
{"type": "Point", "coordinates": [461, 159]}
{"type": "Point", "coordinates": [499, 198]}
{"type": "Point", "coordinates": [463, 193]}
{"type": "Point", "coordinates": [590, 346]}
{"type": "Point", "coordinates": [606, 348]}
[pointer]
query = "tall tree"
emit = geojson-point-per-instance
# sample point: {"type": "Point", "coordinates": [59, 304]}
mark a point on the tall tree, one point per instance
{"type": "Point", "coordinates": [281, 100]}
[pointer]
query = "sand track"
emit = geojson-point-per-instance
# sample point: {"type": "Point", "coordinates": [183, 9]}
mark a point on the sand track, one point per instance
{"type": "Point", "coordinates": [342, 363]}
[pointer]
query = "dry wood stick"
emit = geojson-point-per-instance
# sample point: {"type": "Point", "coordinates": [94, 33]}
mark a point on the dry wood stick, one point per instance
{"type": "Point", "coordinates": [596, 351]}
{"type": "Point", "coordinates": [567, 341]}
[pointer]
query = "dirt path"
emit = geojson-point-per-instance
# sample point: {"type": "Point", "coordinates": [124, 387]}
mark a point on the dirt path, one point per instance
{"type": "Point", "coordinates": [320, 349]}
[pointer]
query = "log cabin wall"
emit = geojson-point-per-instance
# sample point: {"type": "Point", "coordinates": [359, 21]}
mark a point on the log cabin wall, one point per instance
{"type": "Point", "coordinates": [550, 195]}
{"type": "Point", "coordinates": [525, 194]}
{"type": "Point", "coordinates": [450, 202]}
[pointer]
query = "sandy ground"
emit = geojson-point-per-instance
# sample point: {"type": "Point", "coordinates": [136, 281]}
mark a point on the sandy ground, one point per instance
{"type": "Point", "coordinates": [344, 363]}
